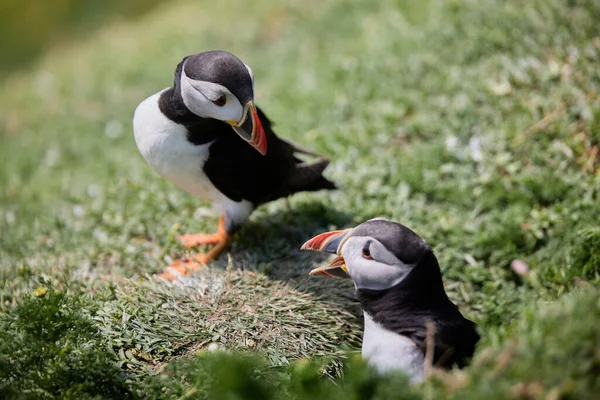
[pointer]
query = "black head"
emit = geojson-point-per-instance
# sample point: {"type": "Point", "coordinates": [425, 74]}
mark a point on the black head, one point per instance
{"type": "Point", "coordinates": [377, 254]}
{"type": "Point", "coordinates": [224, 69]}
{"type": "Point", "coordinates": [218, 85]}
{"type": "Point", "coordinates": [399, 240]}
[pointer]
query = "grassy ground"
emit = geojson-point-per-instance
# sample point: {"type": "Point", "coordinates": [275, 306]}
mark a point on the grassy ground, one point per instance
{"type": "Point", "coordinates": [476, 123]}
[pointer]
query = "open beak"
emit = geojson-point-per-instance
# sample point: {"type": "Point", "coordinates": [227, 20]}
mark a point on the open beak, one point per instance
{"type": "Point", "coordinates": [330, 242]}
{"type": "Point", "coordinates": [250, 129]}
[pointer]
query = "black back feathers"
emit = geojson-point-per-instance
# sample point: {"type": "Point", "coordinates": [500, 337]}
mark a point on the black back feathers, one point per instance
{"type": "Point", "coordinates": [240, 172]}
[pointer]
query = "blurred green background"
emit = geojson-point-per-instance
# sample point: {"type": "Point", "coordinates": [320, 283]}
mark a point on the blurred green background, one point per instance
{"type": "Point", "coordinates": [30, 27]}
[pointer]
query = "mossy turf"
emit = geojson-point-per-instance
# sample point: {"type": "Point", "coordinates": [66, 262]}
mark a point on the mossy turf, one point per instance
{"type": "Point", "coordinates": [475, 123]}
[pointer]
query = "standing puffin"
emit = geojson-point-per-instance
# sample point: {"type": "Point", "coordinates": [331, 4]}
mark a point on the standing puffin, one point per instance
{"type": "Point", "coordinates": [206, 136]}
{"type": "Point", "coordinates": [399, 286]}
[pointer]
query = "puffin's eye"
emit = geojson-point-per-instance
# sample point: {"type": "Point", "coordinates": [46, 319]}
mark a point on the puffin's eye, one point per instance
{"type": "Point", "coordinates": [220, 101]}
{"type": "Point", "coordinates": [366, 253]}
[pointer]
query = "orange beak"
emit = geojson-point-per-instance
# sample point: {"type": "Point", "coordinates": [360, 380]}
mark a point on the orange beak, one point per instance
{"type": "Point", "coordinates": [330, 242]}
{"type": "Point", "coordinates": [250, 128]}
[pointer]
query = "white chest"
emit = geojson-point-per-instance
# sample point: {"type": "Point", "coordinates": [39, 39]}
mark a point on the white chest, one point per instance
{"type": "Point", "coordinates": [386, 351]}
{"type": "Point", "coordinates": [164, 146]}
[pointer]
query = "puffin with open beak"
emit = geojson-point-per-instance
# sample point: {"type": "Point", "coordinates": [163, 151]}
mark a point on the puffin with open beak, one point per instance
{"type": "Point", "coordinates": [399, 286]}
{"type": "Point", "coordinates": [206, 135]}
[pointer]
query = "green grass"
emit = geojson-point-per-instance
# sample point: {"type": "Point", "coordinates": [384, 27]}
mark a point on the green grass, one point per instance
{"type": "Point", "coordinates": [476, 123]}
{"type": "Point", "coordinates": [35, 25]}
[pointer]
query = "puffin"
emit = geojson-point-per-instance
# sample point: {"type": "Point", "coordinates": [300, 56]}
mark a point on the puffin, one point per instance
{"type": "Point", "coordinates": [399, 287]}
{"type": "Point", "coordinates": [206, 135]}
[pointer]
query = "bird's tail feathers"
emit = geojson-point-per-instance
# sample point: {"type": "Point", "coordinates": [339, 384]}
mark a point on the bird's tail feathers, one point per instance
{"type": "Point", "coordinates": [308, 176]}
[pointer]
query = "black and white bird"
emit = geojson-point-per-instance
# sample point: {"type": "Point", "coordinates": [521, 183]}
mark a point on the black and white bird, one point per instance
{"type": "Point", "coordinates": [206, 135]}
{"type": "Point", "coordinates": [399, 286]}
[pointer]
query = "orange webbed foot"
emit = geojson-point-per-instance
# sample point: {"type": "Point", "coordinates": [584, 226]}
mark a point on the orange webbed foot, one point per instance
{"type": "Point", "coordinates": [185, 266]}
{"type": "Point", "coordinates": [221, 239]}
{"type": "Point", "coordinates": [197, 239]}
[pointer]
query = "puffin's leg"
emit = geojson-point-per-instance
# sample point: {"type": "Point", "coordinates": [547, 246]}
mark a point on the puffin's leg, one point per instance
{"type": "Point", "coordinates": [196, 239]}
{"type": "Point", "coordinates": [197, 261]}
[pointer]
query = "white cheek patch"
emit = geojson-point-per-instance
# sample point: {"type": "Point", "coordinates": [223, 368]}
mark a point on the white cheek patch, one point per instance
{"type": "Point", "coordinates": [371, 273]}
{"type": "Point", "coordinates": [198, 95]}
{"type": "Point", "coordinates": [212, 91]}
{"type": "Point", "coordinates": [193, 100]}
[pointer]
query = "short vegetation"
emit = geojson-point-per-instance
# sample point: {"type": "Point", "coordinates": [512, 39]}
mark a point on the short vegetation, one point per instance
{"type": "Point", "coordinates": [475, 123]}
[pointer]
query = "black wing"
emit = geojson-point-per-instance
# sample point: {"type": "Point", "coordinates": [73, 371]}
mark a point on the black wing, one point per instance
{"type": "Point", "coordinates": [455, 340]}
{"type": "Point", "coordinates": [240, 172]}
